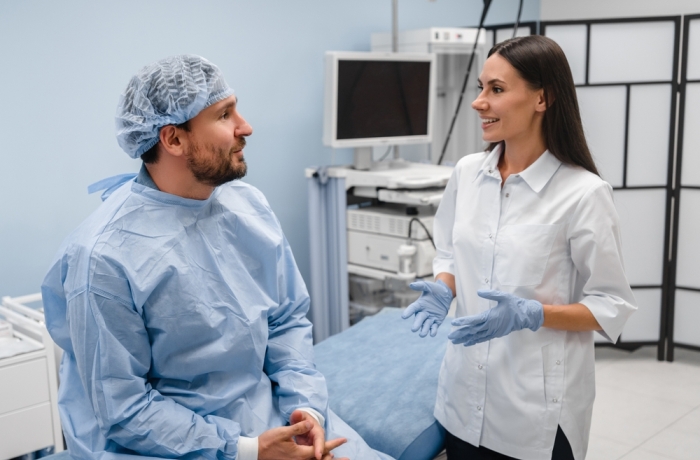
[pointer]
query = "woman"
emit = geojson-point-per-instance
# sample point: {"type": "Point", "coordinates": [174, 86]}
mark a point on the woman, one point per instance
{"type": "Point", "coordinates": [528, 240]}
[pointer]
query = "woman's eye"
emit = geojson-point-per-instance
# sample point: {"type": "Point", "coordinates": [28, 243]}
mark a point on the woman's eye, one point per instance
{"type": "Point", "coordinates": [224, 115]}
{"type": "Point", "coordinates": [481, 87]}
{"type": "Point", "coordinates": [496, 89]}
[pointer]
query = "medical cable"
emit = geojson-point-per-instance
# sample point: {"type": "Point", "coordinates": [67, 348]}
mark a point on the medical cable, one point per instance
{"type": "Point", "coordinates": [386, 153]}
{"type": "Point", "coordinates": [487, 4]}
{"type": "Point", "coordinates": [410, 226]}
{"type": "Point", "coordinates": [517, 19]}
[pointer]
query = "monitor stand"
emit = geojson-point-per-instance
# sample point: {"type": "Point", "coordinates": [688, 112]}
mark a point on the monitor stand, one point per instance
{"type": "Point", "coordinates": [362, 161]}
{"type": "Point", "coordinates": [362, 158]}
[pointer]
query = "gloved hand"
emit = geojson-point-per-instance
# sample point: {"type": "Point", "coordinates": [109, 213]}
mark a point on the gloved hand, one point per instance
{"type": "Point", "coordinates": [430, 308]}
{"type": "Point", "coordinates": [510, 314]}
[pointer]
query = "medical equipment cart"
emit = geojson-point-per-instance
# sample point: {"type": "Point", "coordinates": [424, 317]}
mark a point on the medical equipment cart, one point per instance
{"type": "Point", "coordinates": [29, 419]}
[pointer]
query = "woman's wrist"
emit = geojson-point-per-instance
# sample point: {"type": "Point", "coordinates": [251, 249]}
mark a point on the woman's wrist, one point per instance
{"type": "Point", "coordinates": [572, 317]}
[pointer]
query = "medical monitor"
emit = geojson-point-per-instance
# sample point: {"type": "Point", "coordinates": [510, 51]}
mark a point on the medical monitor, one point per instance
{"type": "Point", "coordinates": [374, 99]}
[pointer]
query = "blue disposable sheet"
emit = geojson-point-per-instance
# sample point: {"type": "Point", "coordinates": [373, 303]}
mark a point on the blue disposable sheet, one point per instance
{"type": "Point", "coordinates": [382, 381]}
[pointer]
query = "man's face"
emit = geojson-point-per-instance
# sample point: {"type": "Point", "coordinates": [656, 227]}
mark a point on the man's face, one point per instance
{"type": "Point", "coordinates": [216, 140]}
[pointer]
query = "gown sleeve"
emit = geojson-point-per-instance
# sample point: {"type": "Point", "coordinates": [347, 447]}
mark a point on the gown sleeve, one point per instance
{"type": "Point", "coordinates": [596, 251]}
{"type": "Point", "coordinates": [289, 361]}
{"type": "Point", "coordinates": [113, 355]}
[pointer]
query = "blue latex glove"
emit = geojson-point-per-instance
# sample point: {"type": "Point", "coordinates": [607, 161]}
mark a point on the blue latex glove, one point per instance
{"type": "Point", "coordinates": [510, 314]}
{"type": "Point", "coordinates": [430, 308]}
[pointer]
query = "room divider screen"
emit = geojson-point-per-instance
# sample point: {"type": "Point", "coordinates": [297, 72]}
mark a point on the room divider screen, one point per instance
{"type": "Point", "coordinates": [500, 32]}
{"type": "Point", "coordinates": [626, 74]}
{"type": "Point", "coordinates": [684, 293]}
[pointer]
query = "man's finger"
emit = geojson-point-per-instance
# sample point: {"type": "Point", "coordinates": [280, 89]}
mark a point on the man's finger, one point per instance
{"type": "Point", "coordinates": [319, 436]}
{"type": "Point", "coordinates": [297, 429]}
{"type": "Point", "coordinates": [333, 443]}
{"type": "Point", "coordinates": [296, 417]}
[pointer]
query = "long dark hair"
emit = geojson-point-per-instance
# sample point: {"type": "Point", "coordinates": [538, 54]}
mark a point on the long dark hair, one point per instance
{"type": "Point", "coordinates": [543, 65]}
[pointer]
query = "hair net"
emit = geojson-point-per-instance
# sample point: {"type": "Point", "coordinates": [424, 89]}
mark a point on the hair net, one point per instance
{"type": "Point", "coordinates": [168, 92]}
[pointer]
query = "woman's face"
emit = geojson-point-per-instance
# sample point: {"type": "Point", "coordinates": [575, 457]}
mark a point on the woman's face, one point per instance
{"type": "Point", "coordinates": [509, 109]}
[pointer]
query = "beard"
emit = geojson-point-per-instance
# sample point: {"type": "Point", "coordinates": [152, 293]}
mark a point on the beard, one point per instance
{"type": "Point", "coordinates": [218, 166]}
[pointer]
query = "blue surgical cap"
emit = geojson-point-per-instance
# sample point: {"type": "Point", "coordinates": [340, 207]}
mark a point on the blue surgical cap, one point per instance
{"type": "Point", "coordinates": [168, 92]}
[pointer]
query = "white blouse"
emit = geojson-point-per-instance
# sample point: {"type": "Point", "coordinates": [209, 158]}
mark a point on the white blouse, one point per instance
{"type": "Point", "coordinates": [551, 233]}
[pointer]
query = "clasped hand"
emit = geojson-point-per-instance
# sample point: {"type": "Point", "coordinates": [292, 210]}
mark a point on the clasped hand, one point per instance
{"type": "Point", "coordinates": [303, 439]}
{"type": "Point", "coordinates": [511, 313]}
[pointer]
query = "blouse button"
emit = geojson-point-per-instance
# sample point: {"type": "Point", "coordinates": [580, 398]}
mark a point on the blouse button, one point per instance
{"type": "Point", "coordinates": [507, 195]}
{"type": "Point", "coordinates": [558, 362]}
{"type": "Point", "coordinates": [478, 407]}
{"type": "Point", "coordinates": [555, 400]}
{"type": "Point", "coordinates": [480, 366]}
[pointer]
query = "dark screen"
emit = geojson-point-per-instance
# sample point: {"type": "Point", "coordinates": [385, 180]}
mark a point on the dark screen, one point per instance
{"type": "Point", "coordinates": [382, 99]}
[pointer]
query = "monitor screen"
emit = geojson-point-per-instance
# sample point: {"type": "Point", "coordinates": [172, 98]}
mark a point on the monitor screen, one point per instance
{"type": "Point", "coordinates": [378, 98]}
{"type": "Point", "coordinates": [382, 98]}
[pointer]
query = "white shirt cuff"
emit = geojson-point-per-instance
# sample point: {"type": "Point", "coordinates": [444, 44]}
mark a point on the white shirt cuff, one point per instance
{"type": "Point", "coordinates": [247, 448]}
{"type": "Point", "coordinates": [319, 418]}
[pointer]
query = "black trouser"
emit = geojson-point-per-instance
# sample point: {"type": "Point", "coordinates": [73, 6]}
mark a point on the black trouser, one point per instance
{"type": "Point", "coordinates": [461, 450]}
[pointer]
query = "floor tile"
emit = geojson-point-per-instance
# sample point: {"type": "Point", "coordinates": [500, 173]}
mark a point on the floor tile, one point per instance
{"type": "Point", "coordinates": [682, 355]}
{"type": "Point", "coordinates": [675, 444]}
{"type": "Point", "coordinates": [640, 454]}
{"type": "Point", "coordinates": [632, 418]}
{"type": "Point", "coordinates": [602, 448]}
{"type": "Point", "coordinates": [666, 381]}
{"type": "Point", "coordinates": [689, 424]}
{"type": "Point", "coordinates": [641, 373]}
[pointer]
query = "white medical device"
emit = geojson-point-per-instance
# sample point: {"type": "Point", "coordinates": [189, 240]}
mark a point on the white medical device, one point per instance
{"type": "Point", "coordinates": [375, 99]}
{"type": "Point", "coordinates": [379, 245]}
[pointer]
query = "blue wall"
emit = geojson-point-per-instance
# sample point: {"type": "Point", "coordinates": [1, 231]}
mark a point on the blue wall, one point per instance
{"type": "Point", "coordinates": [64, 64]}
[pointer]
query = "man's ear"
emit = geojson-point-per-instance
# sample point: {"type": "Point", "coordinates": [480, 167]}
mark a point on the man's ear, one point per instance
{"type": "Point", "coordinates": [172, 140]}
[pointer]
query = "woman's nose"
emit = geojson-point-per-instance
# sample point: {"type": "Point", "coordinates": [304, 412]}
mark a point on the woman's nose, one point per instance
{"type": "Point", "coordinates": [479, 103]}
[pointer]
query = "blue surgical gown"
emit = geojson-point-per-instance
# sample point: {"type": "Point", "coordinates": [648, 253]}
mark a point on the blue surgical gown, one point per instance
{"type": "Point", "coordinates": [183, 324]}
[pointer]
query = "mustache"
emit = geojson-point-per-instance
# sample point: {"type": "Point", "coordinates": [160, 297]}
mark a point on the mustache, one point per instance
{"type": "Point", "coordinates": [241, 145]}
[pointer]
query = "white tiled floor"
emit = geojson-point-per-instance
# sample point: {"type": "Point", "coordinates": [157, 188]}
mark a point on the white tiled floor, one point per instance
{"type": "Point", "coordinates": [646, 409]}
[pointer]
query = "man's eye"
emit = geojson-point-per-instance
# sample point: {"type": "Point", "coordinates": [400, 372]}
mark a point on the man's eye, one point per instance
{"type": "Point", "coordinates": [224, 115]}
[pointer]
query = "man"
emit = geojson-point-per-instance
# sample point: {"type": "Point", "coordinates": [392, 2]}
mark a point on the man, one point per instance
{"type": "Point", "coordinates": [178, 302]}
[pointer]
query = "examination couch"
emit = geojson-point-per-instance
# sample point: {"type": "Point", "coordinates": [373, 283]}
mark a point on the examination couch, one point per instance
{"type": "Point", "coordinates": [382, 381]}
